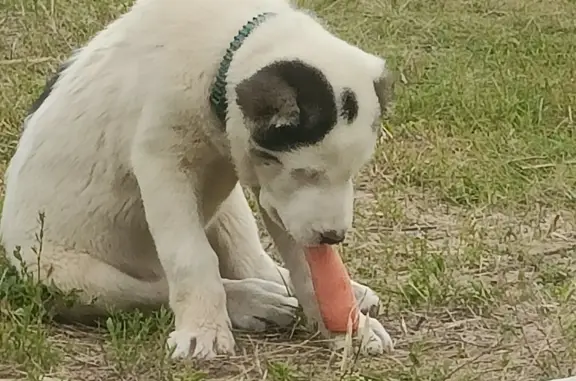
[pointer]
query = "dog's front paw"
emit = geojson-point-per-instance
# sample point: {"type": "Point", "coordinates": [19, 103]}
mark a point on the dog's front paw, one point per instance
{"type": "Point", "coordinates": [255, 304]}
{"type": "Point", "coordinates": [368, 301]}
{"type": "Point", "coordinates": [204, 343]}
{"type": "Point", "coordinates": [375, 340]}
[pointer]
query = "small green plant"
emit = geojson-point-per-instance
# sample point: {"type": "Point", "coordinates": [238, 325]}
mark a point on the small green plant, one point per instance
{"type": "Point", "coordinates": [130, 332]}
{"type": "Point", "coordinates": [281, 372]}
{"type": "Point", "coordinates": [28, 306]}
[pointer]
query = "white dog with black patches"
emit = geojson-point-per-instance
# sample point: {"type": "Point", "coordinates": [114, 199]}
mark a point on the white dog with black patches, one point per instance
{"type": "Point", "coordinates": [137, 149]}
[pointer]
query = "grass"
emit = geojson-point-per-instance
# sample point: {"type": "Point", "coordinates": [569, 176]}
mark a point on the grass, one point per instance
{"type": "Point", "coordinates": [464, 219]}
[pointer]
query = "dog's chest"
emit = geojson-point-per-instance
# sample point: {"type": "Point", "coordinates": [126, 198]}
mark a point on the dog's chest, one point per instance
{"type": "Point", "coordinates": [218, 178]}
{"type": "Point", "coordinates": [219, 181]}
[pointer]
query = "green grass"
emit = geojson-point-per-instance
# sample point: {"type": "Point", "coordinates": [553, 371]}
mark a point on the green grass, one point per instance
{"type": "Point", "coordinates": [464, 220]}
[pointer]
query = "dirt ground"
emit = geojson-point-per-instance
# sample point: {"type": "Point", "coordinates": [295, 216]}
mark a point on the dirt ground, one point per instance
{"type": "Point", "coordinates": [464, 223]}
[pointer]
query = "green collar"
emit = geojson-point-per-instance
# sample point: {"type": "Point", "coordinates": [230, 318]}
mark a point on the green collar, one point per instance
{"type": "Point", "coordinates": [218, 90]}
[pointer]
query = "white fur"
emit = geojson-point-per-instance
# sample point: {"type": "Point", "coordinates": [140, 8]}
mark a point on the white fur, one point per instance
{"type": "Point", "coordinates": [139, 186]}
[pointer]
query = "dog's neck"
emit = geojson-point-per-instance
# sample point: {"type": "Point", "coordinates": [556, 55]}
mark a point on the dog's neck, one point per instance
{"type": "Point", "coordinates": [218, 91]}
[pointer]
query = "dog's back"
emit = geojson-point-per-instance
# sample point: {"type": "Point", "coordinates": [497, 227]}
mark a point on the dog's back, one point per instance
{"type": "Point", "coordinates": [72, 162]}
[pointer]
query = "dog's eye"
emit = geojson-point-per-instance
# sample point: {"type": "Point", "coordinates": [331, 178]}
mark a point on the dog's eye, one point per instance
{"type": "Point", "coordinates": [306, 175]}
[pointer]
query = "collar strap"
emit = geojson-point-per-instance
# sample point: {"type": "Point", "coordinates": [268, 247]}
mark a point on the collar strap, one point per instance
{"type": "Point", "coordinates": [218, 90]}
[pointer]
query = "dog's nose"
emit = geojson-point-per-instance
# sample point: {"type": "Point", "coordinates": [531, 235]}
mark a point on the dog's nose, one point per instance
{"type": "Point", "coordinates": [332, 237]}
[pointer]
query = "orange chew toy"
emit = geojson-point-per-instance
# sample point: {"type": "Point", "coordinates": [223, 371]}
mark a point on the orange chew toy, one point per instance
{"type": "Point", "coordinates": [332, 287]}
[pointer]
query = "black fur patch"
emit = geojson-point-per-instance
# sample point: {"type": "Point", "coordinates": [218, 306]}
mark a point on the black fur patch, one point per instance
{"type": "Point", "coordinates": [349, 105]}
{"type": "Point", "coordinates": [48, 87]}
{"type": "Point", "coordinates": [291, 104]}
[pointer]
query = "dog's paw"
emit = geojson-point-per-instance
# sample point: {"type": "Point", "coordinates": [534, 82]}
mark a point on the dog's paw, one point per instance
{"type": "Point", "coordinates": [203, 343]}
{"type": "Point", "coordinates": [368, 300]}
{"type": "Point", "coordinates": [256, 304]}
{"type": "Point", "coordinates": [375, 340]}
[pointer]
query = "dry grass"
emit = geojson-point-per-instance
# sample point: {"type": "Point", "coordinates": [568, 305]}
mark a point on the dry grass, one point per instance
{"type": "Point", "coordinates": [464, 223]}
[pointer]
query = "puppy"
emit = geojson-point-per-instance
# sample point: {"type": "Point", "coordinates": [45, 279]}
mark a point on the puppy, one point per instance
{"type": "Point", "coordinates": [137, 151]}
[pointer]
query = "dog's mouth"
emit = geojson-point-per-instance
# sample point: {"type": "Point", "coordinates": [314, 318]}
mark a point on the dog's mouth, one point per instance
{"type": "Point", "coordinates": [275, 217]}
{"type": "Point", "coordinates": [307, 242]}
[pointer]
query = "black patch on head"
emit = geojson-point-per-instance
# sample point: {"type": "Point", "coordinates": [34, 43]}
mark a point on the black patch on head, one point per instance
{"type": "Point", "coordinates": [349, 105]}
{"type": "Point", "coordinates": [48, 87]}
{"type": "Point", "coordinates": [290, 104]}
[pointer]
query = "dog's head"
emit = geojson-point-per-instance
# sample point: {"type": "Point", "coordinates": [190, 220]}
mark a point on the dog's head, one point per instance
{"type": "Point", "coordinates": [307, 134]}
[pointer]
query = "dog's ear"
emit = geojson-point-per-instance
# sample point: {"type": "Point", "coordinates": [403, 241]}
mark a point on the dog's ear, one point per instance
{"type": "Point", "coordinates": [384, 88]}
{"type": "Point", "coordinates": [287, 104]}
{"type": "Point", "coordinates": [267, 100]}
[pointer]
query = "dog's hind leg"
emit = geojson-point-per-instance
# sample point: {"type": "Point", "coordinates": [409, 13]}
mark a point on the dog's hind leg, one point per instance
{"type": "Point", "coordinates": [104, 288]}
{"type": "Point", "coordinates": [101, 287]}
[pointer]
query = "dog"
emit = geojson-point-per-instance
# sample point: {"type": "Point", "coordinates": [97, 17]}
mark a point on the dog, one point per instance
{"type": "Point", "coordinates": [139, 150]}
